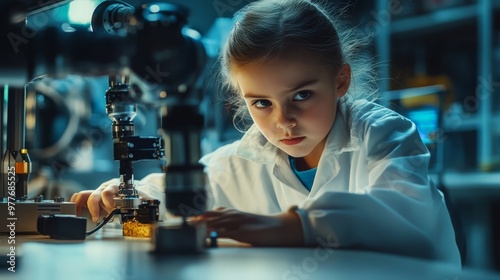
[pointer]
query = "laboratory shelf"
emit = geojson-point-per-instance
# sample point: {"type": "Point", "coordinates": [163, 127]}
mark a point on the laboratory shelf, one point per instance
{"type": "Point", "coordinates": [476, 21]}
{"type": "Point", "coordinates": [438, 20]}
{"type": "Point", "coordinates": [471, 182]}
{"type": "Point", "coordinates": [468, 123]}
{"type": "Point", "coordinates": [413, 45]}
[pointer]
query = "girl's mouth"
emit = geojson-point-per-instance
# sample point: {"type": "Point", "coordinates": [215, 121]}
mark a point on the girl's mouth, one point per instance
{"type": "Point", "coordinates": [292, 141]}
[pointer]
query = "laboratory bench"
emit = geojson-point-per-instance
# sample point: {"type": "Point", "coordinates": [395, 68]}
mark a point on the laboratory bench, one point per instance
{"type": "Point", "coordinates": [111, 256]}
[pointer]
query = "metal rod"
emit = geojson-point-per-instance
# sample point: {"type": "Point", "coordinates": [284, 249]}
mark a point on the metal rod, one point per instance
{"type": "Point", "coordinates": [485, 87]}
{"type": "Point", "coordinates": [16, 115]}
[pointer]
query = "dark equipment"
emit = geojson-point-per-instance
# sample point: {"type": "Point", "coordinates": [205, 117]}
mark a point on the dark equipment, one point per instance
{"type": "Point", "coordinates": [60, 226]}
{"type": "Point", "coordinates": [150, 56]}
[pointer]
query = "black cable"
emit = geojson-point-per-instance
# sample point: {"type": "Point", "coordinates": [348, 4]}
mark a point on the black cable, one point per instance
{"type": "Point", "coordinates": [105, 221]}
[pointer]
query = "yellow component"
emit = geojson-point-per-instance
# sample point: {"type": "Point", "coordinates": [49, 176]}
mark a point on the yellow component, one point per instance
{"type": "Point", "coordinates": [23, 167]}
{"type": "Point", "coordinates": [411, 102]}
{"type": "Point", "coordinates": [133, 228]}
{"type": "Point", "coordinates": [424, 80]}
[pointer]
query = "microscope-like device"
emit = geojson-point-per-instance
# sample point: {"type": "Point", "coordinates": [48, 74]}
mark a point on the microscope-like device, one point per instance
{"type": "Point", "coordinates": [121, 108]}
{"type": "Point", "coordinates": [177, 58]}
{"type": "Point", "coordinates": [150, 57]}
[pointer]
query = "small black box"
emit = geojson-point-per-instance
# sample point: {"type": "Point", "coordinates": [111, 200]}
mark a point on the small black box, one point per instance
{"type": "Point", "coordinates": [61, 226]}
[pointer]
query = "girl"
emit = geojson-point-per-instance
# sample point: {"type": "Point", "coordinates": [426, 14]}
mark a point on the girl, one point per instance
{"type": "Point", "coordinates": [321, 164]}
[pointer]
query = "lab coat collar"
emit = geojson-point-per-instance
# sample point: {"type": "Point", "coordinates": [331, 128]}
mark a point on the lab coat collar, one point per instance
{"type": "Point", "coordinates": [341, 138]}
{"type": "Point", "coordinates": [255, 147]}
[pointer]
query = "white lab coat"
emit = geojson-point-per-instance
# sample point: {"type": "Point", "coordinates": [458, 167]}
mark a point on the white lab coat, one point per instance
{"type": "Point", "coordinates": [371, 189]}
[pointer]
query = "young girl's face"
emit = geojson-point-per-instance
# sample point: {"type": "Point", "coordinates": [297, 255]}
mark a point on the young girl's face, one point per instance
{"type": "Point", "coordinates": [293, 103]}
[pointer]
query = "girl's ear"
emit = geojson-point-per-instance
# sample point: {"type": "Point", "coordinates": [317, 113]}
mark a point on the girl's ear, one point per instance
{"type": "Point", "coordinates": [343, 80]}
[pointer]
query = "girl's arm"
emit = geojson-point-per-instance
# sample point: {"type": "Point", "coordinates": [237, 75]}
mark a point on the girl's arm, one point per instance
{"type": "Point", "coordinates": [400, 211]}
{"type": "Point", "coordinates": [283, 229]}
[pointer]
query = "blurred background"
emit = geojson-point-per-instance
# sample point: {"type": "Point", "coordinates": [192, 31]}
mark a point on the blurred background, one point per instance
{"type": "Point", "coordinates": [438, 63]}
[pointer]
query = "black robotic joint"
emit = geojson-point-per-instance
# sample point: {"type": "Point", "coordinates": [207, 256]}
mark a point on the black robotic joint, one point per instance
{"type": "Point", "coordinates": [138, 148]}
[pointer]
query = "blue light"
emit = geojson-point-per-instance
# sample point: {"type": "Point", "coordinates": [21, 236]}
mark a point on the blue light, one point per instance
{"type": "Point", "coordinates": [154, 8]}
{"type": "Point", "coordinates": [80, 11]}
{"type": "Point", "coordinates": [426, 120]}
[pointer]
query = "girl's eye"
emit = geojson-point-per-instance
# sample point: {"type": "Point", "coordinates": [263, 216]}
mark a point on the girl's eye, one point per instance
{"type": "Point", "coordinates": [261, 103]}
{"type": "Point", "coordinates": [302, 95]}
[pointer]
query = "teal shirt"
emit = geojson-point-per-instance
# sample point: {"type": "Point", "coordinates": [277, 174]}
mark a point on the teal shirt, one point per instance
{"type": "Point", "coordinates": [306, 176]}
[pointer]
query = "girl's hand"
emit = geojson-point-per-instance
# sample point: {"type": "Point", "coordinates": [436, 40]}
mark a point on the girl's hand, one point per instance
{"type": "Point", "coordinates": [100, 202]}
{"type": "Point", "coordinates": [283, 229]}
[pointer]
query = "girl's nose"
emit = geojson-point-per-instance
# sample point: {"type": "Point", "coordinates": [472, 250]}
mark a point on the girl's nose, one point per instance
{"type": "Point", "coordinates": [284, 119]}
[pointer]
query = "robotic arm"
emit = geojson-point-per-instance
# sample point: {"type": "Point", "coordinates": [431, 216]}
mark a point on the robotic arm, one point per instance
{"type": "Point", "coordinates": [169, 61]}
{"type": "Point", "coordinates": [127, 148]}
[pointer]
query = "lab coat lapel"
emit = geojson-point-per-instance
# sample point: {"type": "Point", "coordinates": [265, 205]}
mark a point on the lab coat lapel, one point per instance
{"type": "Point", "coordinates": [283, 172]}
{"type": "Point", "coordinates": [339, 144]}
{"type": "Point", "coordinates": [255, 147]}
{"type": "Point", "coordinates": [289, 190]}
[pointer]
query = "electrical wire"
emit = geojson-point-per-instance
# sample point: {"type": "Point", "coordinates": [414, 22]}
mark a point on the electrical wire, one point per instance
{"type": "Point", "coordinates": [105, 221]}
